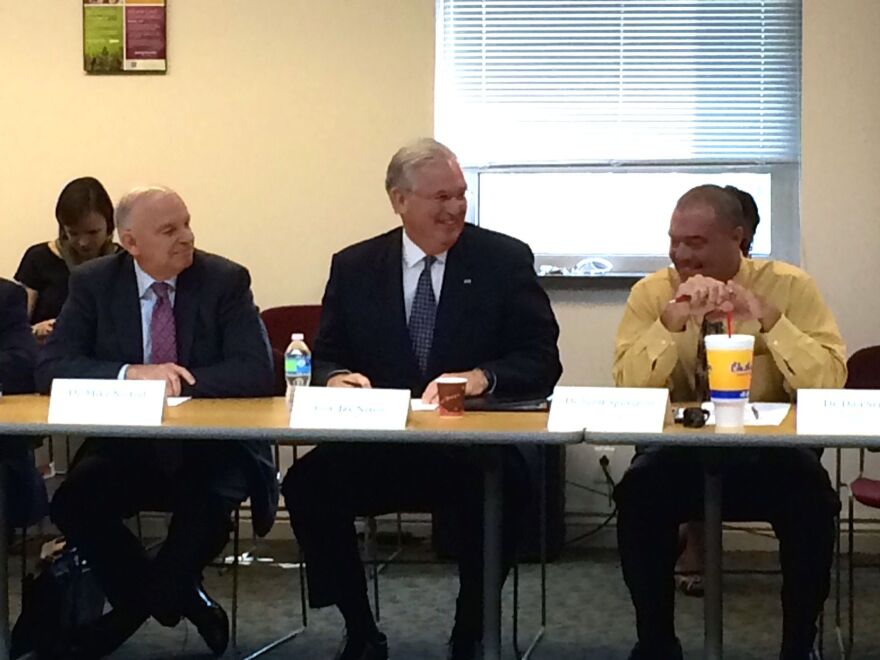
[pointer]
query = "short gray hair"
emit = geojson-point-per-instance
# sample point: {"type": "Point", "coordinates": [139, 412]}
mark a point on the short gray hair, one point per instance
{"type": "Point", "coordinates": [411, 157]}
{"type": "Point", "coordinates": [130, 200]}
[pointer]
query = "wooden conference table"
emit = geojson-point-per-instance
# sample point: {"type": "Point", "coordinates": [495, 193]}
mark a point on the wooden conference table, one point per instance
{"type": "Point", "coordinates": [267, 419]}
{"type": "Point", "coordinates": [784, 435]}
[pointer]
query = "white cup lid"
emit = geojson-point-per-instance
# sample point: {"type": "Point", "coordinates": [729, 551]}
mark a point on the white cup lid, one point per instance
{"type": "Point", "coordinates": [731, 343]}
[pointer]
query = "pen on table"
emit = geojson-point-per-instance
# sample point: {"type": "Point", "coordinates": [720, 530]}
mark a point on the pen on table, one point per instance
{"type": "Point", "coordinates": [755, 411]}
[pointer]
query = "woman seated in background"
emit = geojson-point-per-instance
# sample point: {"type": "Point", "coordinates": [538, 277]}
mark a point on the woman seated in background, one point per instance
{"type": "Point", "coordinates": [85, 231]}
{"type": "Point", "coordinates": [689, 569]}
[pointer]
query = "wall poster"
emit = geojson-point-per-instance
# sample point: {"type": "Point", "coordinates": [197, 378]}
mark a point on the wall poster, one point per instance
{"type": "Point", "coordinates": [124, 36]}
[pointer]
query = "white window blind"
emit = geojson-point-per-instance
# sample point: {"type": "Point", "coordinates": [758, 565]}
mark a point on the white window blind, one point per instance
{"type": "Point", "coordinates": [619, 81]}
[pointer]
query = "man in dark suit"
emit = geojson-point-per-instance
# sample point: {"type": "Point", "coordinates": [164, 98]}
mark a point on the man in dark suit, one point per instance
{"type": "Point", "coordinates": [26, 493]}
{"type": "Point", "coordinates": [160, 311]}
{"type": "Point", "coordinates": [434, 298]}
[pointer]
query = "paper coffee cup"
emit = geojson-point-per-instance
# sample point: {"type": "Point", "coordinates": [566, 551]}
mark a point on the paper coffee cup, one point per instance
{"type": "Point", "coordinates": [450, 395]}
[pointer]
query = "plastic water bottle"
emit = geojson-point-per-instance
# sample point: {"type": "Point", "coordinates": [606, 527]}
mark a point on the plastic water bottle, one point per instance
{"type": "Point", "coordinates": [297, 364]}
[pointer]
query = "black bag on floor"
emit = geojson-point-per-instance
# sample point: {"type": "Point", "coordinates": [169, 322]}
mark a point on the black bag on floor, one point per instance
{"type": "Point", "coordinates": [58, 599]}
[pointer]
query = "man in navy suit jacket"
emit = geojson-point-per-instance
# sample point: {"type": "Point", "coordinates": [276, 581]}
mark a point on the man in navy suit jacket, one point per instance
{"type": "Point", "coordinates": [212, 344]}
{"type": "Point", "coordinates": [492, 324]}
{"type": "Point", "coordinates": [26, 492]}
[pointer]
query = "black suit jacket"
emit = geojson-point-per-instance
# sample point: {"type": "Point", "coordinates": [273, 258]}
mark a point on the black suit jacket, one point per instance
{"type": "Point", "coordinates": [220, 339]}
{"type": "Point", "coordinates": [18, 353]}
{"type": "Point", "coordinates": [492, 314]}
{"type": "Point", "coordinates": [18, 348]}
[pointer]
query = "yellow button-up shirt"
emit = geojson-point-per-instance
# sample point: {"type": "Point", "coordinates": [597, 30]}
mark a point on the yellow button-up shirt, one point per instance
{"type": "Point", "coordinates": [803, 350]}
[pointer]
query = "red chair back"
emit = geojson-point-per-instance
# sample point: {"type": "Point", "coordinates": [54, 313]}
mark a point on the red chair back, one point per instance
{"type": "Point", "coordinates": [280, 323]}
{"type": "Point", "coordinates": [863, 373]}
{"type": "Point", "coordinates": [863, 369]}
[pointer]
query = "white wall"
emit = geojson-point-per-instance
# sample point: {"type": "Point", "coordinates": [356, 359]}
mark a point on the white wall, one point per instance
{"type": "Point", "coordinates": [276, 120]}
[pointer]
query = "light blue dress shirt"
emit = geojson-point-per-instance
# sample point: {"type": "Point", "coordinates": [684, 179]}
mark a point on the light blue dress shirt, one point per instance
{"type": "Point", "coordinates": [147, 299]}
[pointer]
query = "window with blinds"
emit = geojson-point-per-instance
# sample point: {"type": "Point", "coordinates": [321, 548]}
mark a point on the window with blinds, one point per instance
{"type": "Point", "coordinates": [580, 122]}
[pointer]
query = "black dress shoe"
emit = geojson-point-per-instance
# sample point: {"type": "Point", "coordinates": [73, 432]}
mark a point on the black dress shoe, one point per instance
{"type": "Point", "coordinates": [372, 648]}
{"type": "Point", "coordinates": [670, 652]}
{"type": "Point", "coordinates": [162, 600]}
{"type": "Point", "coordinates": [464, 648]}
{"type": "Point", "coordinates": [209, 619]}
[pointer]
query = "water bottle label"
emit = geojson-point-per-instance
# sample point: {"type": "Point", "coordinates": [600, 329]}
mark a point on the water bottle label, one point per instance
{"type": "Point", "coordinates": [297, 365]}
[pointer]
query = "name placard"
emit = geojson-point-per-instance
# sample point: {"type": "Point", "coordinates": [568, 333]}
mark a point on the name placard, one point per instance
{"type": "Point", "coordinates": [349, 408]}
{"type": "Point", "coordinates": [108, 402]}
{"type": "Point", "coordinates": [838, 412]}
{"type": "Point", "coordinates": [613, 409]}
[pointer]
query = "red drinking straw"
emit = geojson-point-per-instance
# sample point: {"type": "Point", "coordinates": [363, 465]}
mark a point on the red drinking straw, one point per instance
{"type": "Point", "coordinates": [728, 315]}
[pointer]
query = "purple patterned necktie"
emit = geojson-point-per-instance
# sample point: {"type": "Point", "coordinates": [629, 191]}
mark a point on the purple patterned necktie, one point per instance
{"type": "Point", "coordinates": [163, 334]}
{"type": "Point", "coordinates": [422, 314]}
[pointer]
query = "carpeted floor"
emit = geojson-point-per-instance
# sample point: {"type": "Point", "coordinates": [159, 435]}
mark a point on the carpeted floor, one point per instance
{"type": "Point", "coordinates": [589, 613]}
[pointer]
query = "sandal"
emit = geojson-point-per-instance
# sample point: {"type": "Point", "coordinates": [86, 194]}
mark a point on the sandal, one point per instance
{"type": "Point", "coordinates": [690, 585]}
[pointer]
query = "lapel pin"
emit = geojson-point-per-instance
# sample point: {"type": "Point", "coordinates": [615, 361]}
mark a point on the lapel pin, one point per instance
{"type": "Point", "coordinates": [467, 280]}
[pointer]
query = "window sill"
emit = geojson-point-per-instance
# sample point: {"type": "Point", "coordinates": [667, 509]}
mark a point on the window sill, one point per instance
{"type": "Point", "coordinates": [601, 282]}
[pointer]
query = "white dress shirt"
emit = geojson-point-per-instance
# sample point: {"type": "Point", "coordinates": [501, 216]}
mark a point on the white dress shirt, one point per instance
{"type": "Point", "coordinates": [413, 265]}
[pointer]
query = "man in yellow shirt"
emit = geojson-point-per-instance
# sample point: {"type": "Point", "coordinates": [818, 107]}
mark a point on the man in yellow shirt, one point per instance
{"type": "Point", "coordinates": [797, 345]}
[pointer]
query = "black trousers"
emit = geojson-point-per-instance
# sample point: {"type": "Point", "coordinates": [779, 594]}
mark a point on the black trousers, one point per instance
{"type": "Point", "coordinates": [787, 487]}
{"type": "Point", "coordinates": [200, 483]}
{"type": "Point", "coordinates": [326, 489]}
{"type": "Point", "coordinates": [26, 498]}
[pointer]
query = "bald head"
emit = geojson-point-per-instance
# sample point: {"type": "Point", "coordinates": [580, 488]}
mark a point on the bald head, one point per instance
{"type": "Point", "coordinates": [725, 205]}
{"type": "Point", "coordinates": [137, 196]}
{"type": "Point", "coordinates": [705, 233]}
{"type": "Point", "coordinates": [154, 227]}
